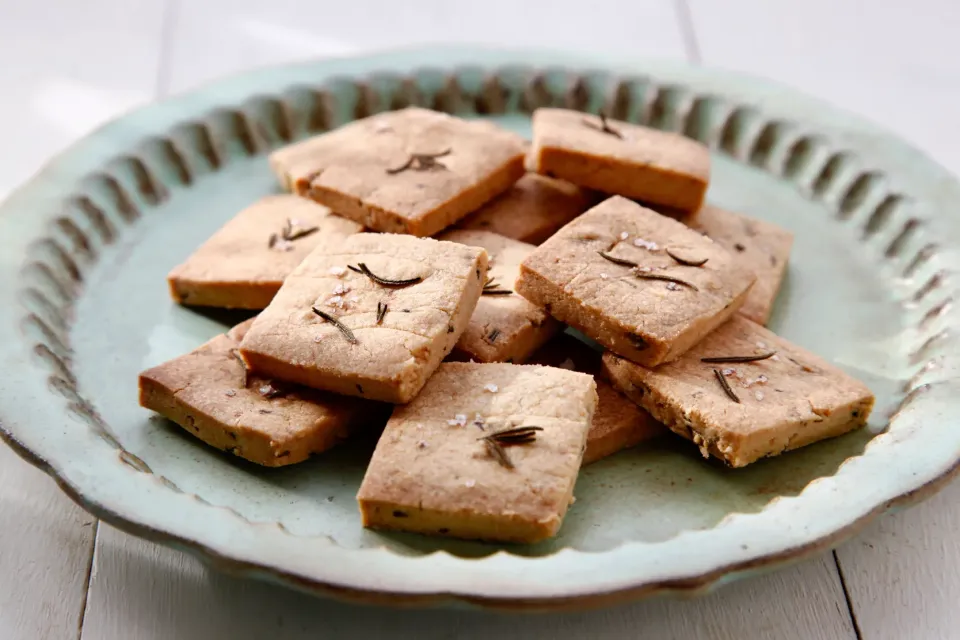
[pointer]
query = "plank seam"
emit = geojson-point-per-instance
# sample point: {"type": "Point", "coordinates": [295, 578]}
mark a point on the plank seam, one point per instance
{"type": "Point", "coordinates": [687, 31]}
{"type": "Point", "coordinates": [88, 579]}
{"type": "Point", "coordinates": [846, 595]}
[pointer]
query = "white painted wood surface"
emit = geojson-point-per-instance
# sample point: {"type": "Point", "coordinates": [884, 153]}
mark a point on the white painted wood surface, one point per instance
{"type": "Point", "coordinates": [142, 591]}
{"type": "Point", "coordinates": [61, 77]}
{"type": "Point", "coordinates": [68, 66]}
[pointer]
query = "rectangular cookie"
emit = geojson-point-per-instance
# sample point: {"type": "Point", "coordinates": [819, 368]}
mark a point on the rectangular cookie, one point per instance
{"type": "Point", "coordinates": [438, 470]}
{"type": "Point", "coordinates": [774, 404]}
{"type": "Point", "coordinates": [411, 171]}
{"type": "Point", "coordinates": [209, 393]}
{"type": "Point", "coordinates": [372, 317]}
{"type": "Point", "coordinates": [505, 327]}
{"type": "Point", "coordinates": [619, 158]}
{"type": "Point", "coordinates": [618, 422]}
{"type": "Point", "coordinates": [244, 263]}
{"type": "Point", "coordinates": [532, 210]}
{"type": "Point", "coordinates": [762, 246]}
{"type": "Point", "coordinates": [643, 285]}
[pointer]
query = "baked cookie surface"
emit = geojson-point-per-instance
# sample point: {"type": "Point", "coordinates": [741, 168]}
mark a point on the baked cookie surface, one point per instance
{"type": "Point", "coordinates": [411, 171]}
{"type": "Point", "coordinates": [243, 264]}
{"type": "Point", "coordinates": [210, 394]}
{"type": "Point", "coordinates": [434, 471]}
{"type": "Point", "coordinates": [643, 285]}
{"type": "Point", "coordinates": [505, 326]}
{"type": "Point", "coordinates": [532, 210]}
{"type": "Point", "coordinates": [618, 423]}
{"type": "Point", "coordinates": [761, 245]}
{"type": "Point", "coordinates": [372, 317]}
{"type": "Point", "coordinates": [619, 158]}
{"type": "Point", "coordinates": [762, 408]}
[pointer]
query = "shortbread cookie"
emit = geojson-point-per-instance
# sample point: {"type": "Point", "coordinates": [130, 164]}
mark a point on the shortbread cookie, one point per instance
{"type": "Point", "coordinates": [643, 285]}
{"type": "Point", "coordinates": [618, 422]}
{"type": "Point", "coordinates": [505, 326]}
{"type": "Point", "coordinates": [741, 411]}
{"type": "Point", "coordinates": [412, 171]}
{"type": "Point", "coordinates": [619, 158]}
{"type": "Point", "coordinates": [532, 210]}
{"type": "Point", "coordinates": [762, 246]}
{"type": "Point", "coordinates": [438, 467]}
{"type": "Point", "coordinates": [243, 264]}
{"type": "Point", "coordinates": [210, 394]}
{"type": "Point", "coordinates": [372, 318]}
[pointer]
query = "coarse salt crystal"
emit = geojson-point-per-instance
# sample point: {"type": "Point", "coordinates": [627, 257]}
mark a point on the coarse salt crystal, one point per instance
{"type": "Point", "coordinates": [337, 271]}
{"type": "Point", "coordinates": [335, 301]}
{"type": "Point", "coordinates": [762, 379]}
{"type": "Point", "coordinates": [230, 392]}
{"type": "Point", "coordinates": [317, 338]}
{"type": "Point", "coordinates": [761, 344]}
{"type": "Point", "coordinates": [729, 372]}
{"type": "Point", "coordinates": [604, 276]}
{"type": "Point", "coordinates": [470, 483]}
{"type": "Point", "coordinates": [673, 286]}
{"type": "Point", "coordinates": [459, 420]}
{"type": "Point", "coordinates": [775, 357]}
{"type": "Point", "coordinates": [294, 222]}
{"type": "Point", "coordinates": [758, 395]}
{"type": "Point", "coordinates": [492, 388]}
{"type": "Point", "coordinates": [624, 235]}
{"type": "Point", "coordinates": [649, 245]}
{"type": "Point", "coordinates": [341, 289]}
{"type": "Point", "coordinates": [284, 245]}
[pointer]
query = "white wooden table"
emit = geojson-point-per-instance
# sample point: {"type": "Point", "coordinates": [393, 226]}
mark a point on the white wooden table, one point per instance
{"type": "Point", "coordinates": [68, 65]}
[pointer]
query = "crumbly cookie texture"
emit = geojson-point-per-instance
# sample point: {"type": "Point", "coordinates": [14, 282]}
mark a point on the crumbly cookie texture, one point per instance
{"type": "Point", "coordinates": [210, 394]}
{"type": "Point", "coordinates": [244, 263]}
{"type": "Point", "coordinates": [505, 326]}
{"type": "Point", "coordinates": [532, 210]}
{"type": "Point", "coordinates": [769, 406]}
{"type": "Point", "coordinates": [762, 246]}
{"type": "Point", "coordinates": [434, 472]}
{"type": "Point", "coordinates": [411, 171]}
{"type": "Point", "coordinates": [619, 158]}
{"type": "Point", "coordinates": [643, 285]}
{"type": "Point", "coordinates": [618, 422]}
{"type": "Point", "coordinates": [371, 318]}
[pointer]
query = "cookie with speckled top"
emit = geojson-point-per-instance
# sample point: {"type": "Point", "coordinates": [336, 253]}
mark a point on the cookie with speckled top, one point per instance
{"type": "Point", "coordinates": [486, 451]}
{"type": "Point", "coordinates": [371, 318]}
{"type": "Point", "coordinates": [412, 171]}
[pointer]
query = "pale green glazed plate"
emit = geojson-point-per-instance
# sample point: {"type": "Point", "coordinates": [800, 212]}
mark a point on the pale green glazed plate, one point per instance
{"type": "Point", "coordinates": [85, 246]}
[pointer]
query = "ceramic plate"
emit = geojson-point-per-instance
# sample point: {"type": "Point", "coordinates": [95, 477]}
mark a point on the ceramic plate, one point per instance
{"type": "Point", "coordinates": [85, 246]}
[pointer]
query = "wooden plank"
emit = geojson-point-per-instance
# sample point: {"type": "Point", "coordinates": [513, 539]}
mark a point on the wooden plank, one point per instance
{"type": "Point", "coordinates": [63, 77]}
{"type": "Point", "coordinates": [76, 65]}
{"type": "Point", "coordinates": [251, 33]}
{"type": "Point", "coordinates": [141, 591]}
{"type": "Point", "coordinates": [896, 63]}
{"type": "Point", "coordinates": [47, 542]}
{"type": "Point", "coordinates": [903, 573]}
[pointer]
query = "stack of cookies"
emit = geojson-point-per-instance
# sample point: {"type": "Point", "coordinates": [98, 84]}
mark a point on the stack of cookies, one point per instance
{"type": "Point", "coordinates": [418, 280]}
